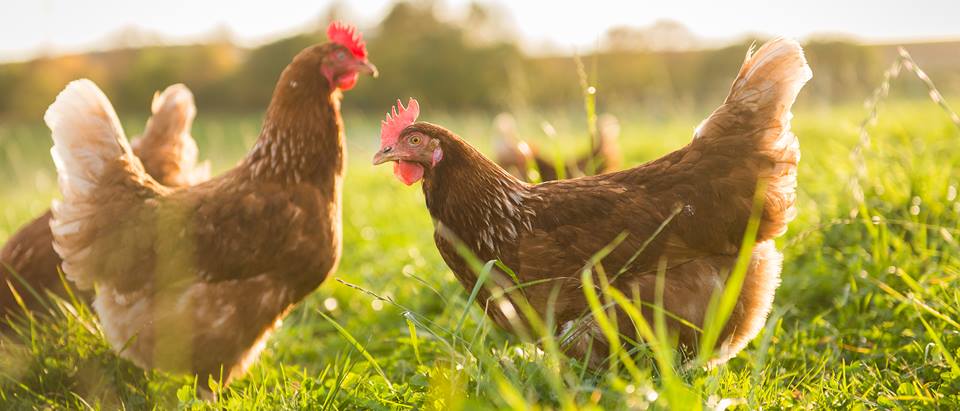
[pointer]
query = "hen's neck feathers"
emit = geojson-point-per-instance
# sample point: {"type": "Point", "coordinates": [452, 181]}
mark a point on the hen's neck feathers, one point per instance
{"type": "Point", "coordinates": [471, 196]}
{"type": "Point", "coordinates": [302, 139]}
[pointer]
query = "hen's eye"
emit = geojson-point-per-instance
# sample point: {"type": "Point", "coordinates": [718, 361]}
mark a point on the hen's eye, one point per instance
{"type": "Point", "coordinates": [341, 55]}
{"type": "Point", "coordinates": [415, 140]}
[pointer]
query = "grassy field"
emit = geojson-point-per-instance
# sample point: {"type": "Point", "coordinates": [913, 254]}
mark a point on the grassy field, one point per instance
{"type": "Point", "coordinates": [867, 315]}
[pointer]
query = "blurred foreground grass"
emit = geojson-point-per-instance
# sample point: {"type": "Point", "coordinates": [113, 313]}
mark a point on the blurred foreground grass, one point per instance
{"type": "Point", "coordinates": [866, 316]}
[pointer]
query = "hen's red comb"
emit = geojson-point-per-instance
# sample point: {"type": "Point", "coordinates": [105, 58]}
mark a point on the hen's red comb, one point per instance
{"type": "Point", "coordinates": [347, 36]}
{"type": "Point", "coordinates": [391, 127]}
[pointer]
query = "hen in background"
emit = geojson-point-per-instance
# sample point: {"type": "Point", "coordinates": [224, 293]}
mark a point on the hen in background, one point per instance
{"type": "Point", "coordinates": [684, 214]}
{"type": "Point", "coordinates": [195, 280]}
{"type": "Point", "coordinates": [168, 153]}
{"type": "Point", "coordinates": [521, 159]}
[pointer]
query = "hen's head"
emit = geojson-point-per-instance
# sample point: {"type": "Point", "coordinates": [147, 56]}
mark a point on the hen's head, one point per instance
{"type": "Point", "coordinates": [341, 60]}
{"type": "Point", "coordinates": [411, 146]}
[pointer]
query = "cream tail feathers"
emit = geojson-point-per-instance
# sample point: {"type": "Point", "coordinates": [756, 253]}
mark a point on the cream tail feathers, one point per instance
{"type": "Point", "coordinates": [94, 162]}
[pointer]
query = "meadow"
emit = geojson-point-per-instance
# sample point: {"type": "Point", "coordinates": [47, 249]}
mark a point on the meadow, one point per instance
{"type": "Point", "coordinates": [866, 317]}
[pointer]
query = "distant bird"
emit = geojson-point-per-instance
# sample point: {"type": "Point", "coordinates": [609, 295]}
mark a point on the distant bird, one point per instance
{"type": "Point", "coordinates": [195, 280]}
{"type": "Point", "coordinates": [518, 156]}
{"type": "Point", "coordinates": [168, 153]}
{"type": "Point", "coordinates": [685, 213]}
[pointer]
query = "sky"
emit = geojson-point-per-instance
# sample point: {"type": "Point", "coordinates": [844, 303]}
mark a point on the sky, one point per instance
{"type": "Point", "coordinates": [33, 27]}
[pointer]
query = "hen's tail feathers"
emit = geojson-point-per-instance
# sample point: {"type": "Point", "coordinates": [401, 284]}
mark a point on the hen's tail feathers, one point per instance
{"type": "Point", "coordinates": [175, 96]}
{"type": "Point", "coordinates": [173, 113]}
{"type": "Point", "coordinates": [91, 155]}
{"type": "Point", "coordinates": [168, 151]}
{"type": "Point", "coordinates": [773, 75]}
{"type": "Point", "coordinates": [758, 107]}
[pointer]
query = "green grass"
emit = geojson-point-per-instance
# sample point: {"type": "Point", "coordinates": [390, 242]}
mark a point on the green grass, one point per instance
{"type": "Point", "coordinates": [867, 316]}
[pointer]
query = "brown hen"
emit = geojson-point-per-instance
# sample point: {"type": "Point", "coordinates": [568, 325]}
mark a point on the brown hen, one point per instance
{"type": "Point", "coordinates": [521, 158]}
{"type": "Point", "coordinates": [169, 155]}
{"type": "Point", "coordinates": [687, 211]}
{"type": "Point", "coordinates": [194, 280]}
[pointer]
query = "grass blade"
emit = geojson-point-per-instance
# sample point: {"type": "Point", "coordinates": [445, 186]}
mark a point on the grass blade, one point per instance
{"type": "Point", "coordinates": [481, 279]}
{"type": "Point", "coordinates": [359, 347]}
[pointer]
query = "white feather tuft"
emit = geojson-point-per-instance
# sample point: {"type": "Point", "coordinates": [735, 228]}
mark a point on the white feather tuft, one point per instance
{"type": "Point", "coordinates": [86, 135]}
{"type": "Point", "coordinates": [177, 95]}
{"type": "Point", "coordinates": [776, 72]}
{"type": "Point", "coordinates": [88, 143]}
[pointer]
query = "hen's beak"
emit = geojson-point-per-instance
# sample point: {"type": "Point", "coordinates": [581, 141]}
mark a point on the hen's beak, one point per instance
{"type": "Point", "coordinates": [368, 68]}
{"type": "Point", "coordinates": [385, 155]}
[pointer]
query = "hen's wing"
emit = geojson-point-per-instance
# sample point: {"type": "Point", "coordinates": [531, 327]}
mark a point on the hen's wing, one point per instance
{"type": "Point", "coordinates": [574, 219]}
{"type": "Point", "coordinates": [243, 231]}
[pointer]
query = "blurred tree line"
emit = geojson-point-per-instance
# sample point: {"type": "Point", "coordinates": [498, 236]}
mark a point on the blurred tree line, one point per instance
{"type": "Point", "coordinates": [468, 62]}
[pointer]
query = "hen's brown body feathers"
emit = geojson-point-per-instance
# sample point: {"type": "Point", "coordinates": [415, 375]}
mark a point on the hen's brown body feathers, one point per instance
{"type": "Point", "coordinates": [169, 155]}
{"type": "Point", "coordinates": [701, 195]}
{"type": "Point", "coordinates": [195, 280]}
